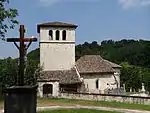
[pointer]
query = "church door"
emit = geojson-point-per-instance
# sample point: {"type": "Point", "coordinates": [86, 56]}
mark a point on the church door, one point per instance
{"type": "Point", "coordinates": [47, 89]}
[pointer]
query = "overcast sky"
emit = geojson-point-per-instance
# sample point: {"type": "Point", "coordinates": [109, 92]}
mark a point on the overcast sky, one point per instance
{"type": "Point", "coordinates": [97, 19]}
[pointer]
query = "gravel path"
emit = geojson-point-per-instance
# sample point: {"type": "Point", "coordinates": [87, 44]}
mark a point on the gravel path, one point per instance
{"type": "Point", "coordinates": [93, 107]}
{"type": "Point", "coordinates": [89, 107]}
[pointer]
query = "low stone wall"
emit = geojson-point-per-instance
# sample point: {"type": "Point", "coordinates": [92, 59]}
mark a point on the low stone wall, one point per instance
{"type": "Point", "coordinates": [106, 97]}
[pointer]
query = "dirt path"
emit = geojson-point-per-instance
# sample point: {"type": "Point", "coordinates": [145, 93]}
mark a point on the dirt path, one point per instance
{"type": "Point", "coordinates": [93, 107]}
{"type": "Point", "coordinates": [89, 107]}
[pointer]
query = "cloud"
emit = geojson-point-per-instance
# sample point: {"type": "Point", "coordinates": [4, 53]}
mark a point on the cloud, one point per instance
{"type": "Point", "coordinates": [51, 2]}
{"type": "Point", "coordinates": [133, 3]}
{"type": "Point", "coordinates": [48, 2]}
{"type": "Point", "coordinates": [124, 3]}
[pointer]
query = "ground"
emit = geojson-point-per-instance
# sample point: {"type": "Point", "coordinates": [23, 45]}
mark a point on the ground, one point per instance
{"type": "Point", "coordinates": [55, 104]}
{"type": "Point", "coordinates": [68, 102]}
{"type": "Point", "coordinates": [78, 111]}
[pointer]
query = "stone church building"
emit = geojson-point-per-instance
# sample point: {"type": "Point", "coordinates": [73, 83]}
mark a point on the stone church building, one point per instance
{"type": "Point", "coordinates": [60, 71]}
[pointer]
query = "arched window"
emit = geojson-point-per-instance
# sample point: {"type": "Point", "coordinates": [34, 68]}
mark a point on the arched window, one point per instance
{"type": "Point", "coordinates": [97, 83]}
{"type": "Point", "coordinates": [57, 35]}
{"type": "Point", "coordinates": [64, 35]}
{"type": "Point", "coordinates": [50, 34]}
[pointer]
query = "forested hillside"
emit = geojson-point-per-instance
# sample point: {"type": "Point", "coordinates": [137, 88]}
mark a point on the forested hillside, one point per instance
{"type": "Point", "coordinates": [132, 55]}
{"type": "Point", "coordinates": [135, 52]}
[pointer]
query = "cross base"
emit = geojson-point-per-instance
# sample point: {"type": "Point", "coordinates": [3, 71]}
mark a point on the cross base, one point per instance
{"type": "Point", "coordinates": [20, 99]}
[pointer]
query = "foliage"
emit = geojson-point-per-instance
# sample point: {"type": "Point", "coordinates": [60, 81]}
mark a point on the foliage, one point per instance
{"type": "Point", "coordinates": [9, 72]}
{"type": "Point", "coordinates": [7, 18]}
{"type": "Point", "coordinates": [131, 76]}
{"type": "Point", "coordinates": [77, 111]}
{"type": "Point", "coordinates": [32, 72]}
{"type": "Point", "coordinates": [34, 55]}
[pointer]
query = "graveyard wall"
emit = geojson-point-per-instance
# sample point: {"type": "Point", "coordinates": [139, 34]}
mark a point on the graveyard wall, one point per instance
{"type": "Point", "coordinates": [106, 97]}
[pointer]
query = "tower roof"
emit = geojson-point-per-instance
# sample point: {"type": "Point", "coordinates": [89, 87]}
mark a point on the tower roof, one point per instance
{"type": "Point", "coordinates": [55, 24]}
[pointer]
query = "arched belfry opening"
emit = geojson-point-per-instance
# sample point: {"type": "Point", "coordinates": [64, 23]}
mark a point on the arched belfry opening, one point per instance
{"type": "Point", "coordinates": [64, 35]}
{"type": "Point", "coordinates": [57, 35]}
{"type": "Point", "coordinates": [50, 35]}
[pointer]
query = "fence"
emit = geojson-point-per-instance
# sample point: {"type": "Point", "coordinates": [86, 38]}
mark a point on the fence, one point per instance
{"type": "Point", "coordinates": [106, 97]}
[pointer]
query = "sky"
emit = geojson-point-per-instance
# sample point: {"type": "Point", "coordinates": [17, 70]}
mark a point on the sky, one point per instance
{"type": "Point", "coordinates": [97, 20]}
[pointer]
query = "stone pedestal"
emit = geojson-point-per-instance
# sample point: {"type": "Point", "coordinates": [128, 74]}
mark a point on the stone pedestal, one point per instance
{"type": "Point", "coordinates": [20, 99]}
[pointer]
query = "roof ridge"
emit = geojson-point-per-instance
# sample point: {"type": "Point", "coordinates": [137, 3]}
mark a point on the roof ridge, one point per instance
{"type": "Point", "coordinates": [57, 22]}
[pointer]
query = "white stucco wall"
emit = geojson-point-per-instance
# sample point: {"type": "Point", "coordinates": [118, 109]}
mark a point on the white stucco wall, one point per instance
{"type": "Point", "coordinates": [90, 81]}
{"type": "Point", "coordinates": [57, 54]}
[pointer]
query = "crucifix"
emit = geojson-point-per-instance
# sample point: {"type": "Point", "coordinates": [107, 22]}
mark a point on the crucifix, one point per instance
{"type": "Point", "coordinates": [22, 51]}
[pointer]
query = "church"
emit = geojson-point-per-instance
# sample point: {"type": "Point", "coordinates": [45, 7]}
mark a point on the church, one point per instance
{"type": "Point", "coordinates": [60, 71]}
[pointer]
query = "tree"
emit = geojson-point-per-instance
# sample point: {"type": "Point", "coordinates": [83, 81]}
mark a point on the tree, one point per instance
{"type": "Point", "coordinates": [7, 18]}
{"type": "Point", "coordinates": [9, 72]}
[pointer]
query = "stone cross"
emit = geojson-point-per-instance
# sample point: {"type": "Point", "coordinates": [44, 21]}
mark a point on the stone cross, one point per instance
{"type": "Point", "coordinates": [22, 51]}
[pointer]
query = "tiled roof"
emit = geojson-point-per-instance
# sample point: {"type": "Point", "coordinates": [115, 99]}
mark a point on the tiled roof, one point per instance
{"type": "Point", "coordinates": [94, 64]}
{"type": "Point", "coordinates": [112, 64]}
{"type": "Point", "coordinates": [64, 77]}
{"type": "Point", "coordinates": [56, 24]}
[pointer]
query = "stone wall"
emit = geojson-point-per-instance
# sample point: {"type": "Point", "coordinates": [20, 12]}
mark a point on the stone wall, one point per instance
{"type": "Point", "coordinates": [106, 97]}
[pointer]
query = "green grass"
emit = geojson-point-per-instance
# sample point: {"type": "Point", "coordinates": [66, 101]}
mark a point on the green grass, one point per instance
{"type": "Point", "coordinates": [54, 101]}
{"type": "Point", "coordinates": [77, 111]}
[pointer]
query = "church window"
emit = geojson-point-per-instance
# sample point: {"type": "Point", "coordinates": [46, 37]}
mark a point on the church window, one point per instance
{"type": "Point", "coordinates": [64, 35]}
{"type": "Point", "coordinates": [57, 35]}
{"type": "Point", "coordinates": [50, 34]}
{"type": "Point", "coordinates": [97, 83]}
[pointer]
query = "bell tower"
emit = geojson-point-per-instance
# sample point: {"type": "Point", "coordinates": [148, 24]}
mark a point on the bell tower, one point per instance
{"type": "Point", "coordinates": [57, 45]}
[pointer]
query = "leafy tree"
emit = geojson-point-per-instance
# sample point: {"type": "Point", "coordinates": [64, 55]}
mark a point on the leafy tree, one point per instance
{"type": "Point", "coordinates": [32, 72]}
{"type": "Point", "coordinates": [7, 18]}
{"type": "Point", "coordinates": [9, 72]}
{"type": "Point", "coordinates": [130, 76]}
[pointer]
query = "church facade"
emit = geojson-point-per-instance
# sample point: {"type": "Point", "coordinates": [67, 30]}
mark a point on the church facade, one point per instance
{"type": "Point", "coordinates": [60, 72]}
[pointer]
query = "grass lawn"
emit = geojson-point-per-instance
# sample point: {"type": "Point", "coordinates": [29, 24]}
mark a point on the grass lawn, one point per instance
{"type": "Point", "coordinates": [77, 111]}
{"type": "Point", "coordinates": [63, 102]}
